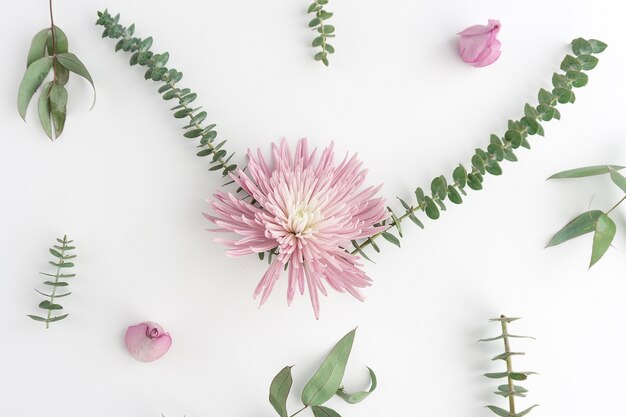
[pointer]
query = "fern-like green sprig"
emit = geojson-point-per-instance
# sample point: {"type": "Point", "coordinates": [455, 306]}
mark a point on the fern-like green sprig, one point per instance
{"type": "Point", "coordinates": [487, 161]}
{"type": "Point", "coordinates": [509, 390]}
{"type": "Point", "coordinates": [324, 30]}
{"type": "Point", "coordinates": [62, 255]}
{"type": "Point", "coordinates": [169, 77]}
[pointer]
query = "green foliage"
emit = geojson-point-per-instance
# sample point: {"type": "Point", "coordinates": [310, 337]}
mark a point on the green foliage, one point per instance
{"type": "Point", "coordinates": [500, 148]}
{"type": "Point", "coordinates": [508, 390]}
{"type": "Point", "coordinates": [596, 221]}
{"type": "Point", "coordinates": [323, 29]}
{"type": "Point", "coordinates": [325, 383]}
{"type": "Point", "coordinates": [49, 51]}
{"type": "Point", "coordinates": [169, 78]}
{"type": "Point", "coordinates": [62, 262]}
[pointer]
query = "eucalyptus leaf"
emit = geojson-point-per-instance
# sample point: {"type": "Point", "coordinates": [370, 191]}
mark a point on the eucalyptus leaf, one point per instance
{"type": "Point", "coordinates": [279, 391]}
{"type": "Point", "coordinates": [582, 224]}
{"type": "Point", "coordinates": [499, 411]}
{"type": "Point", "coordinates": [604, 234]}
{"type": "Point", "coordinates": [58, 107]}
{"type": "Point", "coordinates": [359, 396]}
{"type": "Point", "coordinates": [618, 179]}
{"type": "Point", "coordinates": [73, 64]}
{"type": "Point", "coordinates": [43, 107]}
{"type": "Point", "coordinates": [327, 380]}
{"type": "Point", "coordinates": [585, 171]}
{"type": "Point", "coordinates": [320, 411]}
{"type": "Point", "coordinates": [525, 412]}
{"type": "Point", "coordinates": [33, 77]}
{"type": "Point", "coordinates": [38, 46]}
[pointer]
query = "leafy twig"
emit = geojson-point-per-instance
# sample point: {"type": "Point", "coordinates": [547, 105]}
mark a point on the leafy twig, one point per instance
{"type": "Point", "coordinates": [325, 384]}
{"type": "Point", "coordinates": [509, 390]}
{"type": "Point", "coordinates": [596, 221]}
{"type": "Point", "coordinates": [169, 78]}
{"type": "Point", "coordinates": [500, 148]}
{"type": "Point", "coordinates": [49, 50]}
{"type": "Point", "coordinates": [56, 281]}
{"type": "Point", "coordinates": [324, 30]}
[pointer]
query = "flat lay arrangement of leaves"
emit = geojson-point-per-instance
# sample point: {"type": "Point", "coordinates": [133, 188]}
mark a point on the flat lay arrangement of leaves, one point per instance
{"type": "Point", "coordinates": [277, 219]}
{"type": "Point", "coordinates": [324, 30]}
{"type": "Point", "coordinates": [597, 222]}
{"type": "Point", "coordinates": [325, 383]}
{"type": "Point", "coordinates": [62, 253]}
{"type": "Point", "coordinates": [49, 51]}
{"type": "Point", "coordinates": [509, 390]}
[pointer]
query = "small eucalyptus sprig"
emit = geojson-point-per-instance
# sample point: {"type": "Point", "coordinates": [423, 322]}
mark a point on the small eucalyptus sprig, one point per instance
{"type": "Point", "coordinates": [49, 51]}
{"type": "Point", "coordinates": [62, 255]}
{"type": "Point", "coordinates": [324, 30]}
{"type": "Point", "coordinates": [487, 161]}
{"type": "Point", "coordinates": [169, 79]}
{"type": "Point", "coordinates": [509, 390]}
{"type": "Point", "coordinates": [325, 384]}
{"type": "Point", "coordinates": [596, 221]}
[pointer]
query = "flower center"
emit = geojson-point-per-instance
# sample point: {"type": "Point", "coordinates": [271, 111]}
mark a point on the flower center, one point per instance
{"type": "Point", "coordinates": [302, 220]}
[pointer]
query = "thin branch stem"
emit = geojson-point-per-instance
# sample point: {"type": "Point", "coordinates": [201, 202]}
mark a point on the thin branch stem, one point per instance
{"type": "Point", "coordinates": [509, 365]}
{"type": "Point", "coordinates": [54, 44]}
{"type": "Point", "coordinates": [615, 206]}
{"type": "Point", "coordinates": [300, 410]}
{"type": "Point", "coordinates": [56, 281]}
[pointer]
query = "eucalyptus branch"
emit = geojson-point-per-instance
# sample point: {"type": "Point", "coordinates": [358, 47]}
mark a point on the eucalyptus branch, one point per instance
{"type": "Point", "coordinates": [596, 221]}
{"type": "Point", "coordinates": [510, 390]}
{"type": "Point", "coordinates": [56, 281]}
{"type": "Point", "coordinates": [169, 78]}
{"type": "Point", "coordinates": [487, 161]}
{"type": "Point", "coordinates": [324, 30]}
{"type": "Point", "coordinates": [49, 51]}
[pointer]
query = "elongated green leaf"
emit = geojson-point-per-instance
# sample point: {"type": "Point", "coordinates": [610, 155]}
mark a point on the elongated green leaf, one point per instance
{"type": "Point", "coordinates": [357, 397]}
{"type": "Point", "coordinates": [583, 224]}
{"type": "Point", "coordinates": [38, 46]}
{"type": "Point", "coordinates": [497, 375]}
{"type": "Point", "coordinates": [618, 179]}
{"type": "Point", "coordinates": [43, 108]}
{"type": "Point", "coordinates": [605, 232]}
{"type": "Point", "coordinates": [57, 318]}
{"type": "Point", "coordinates": [585, 171]}
{"type": "Point", "coordinates": [319, 411]}
{"type": "Point", "coordinates": [33, 77]}
{"type": "Point", "coordinates": [60, 41]}
{"type": "Point", "coordinates": [391, 238]}
{"type": "Point", "coordinates": [499, 411]}
{"type": "Point", "coordinates": [72, 63]}
{"type": "Point", "coordinates": [279, 391]}
{"type": "Point", "coordinates": [491, 339]}
{"type": "Point", "coordinates": [47, 305]}
{"type": "Point", "coordinates": [327, 379]}
{"type": "Point", "coordinates": [58, 107]}
{"type": "Point", "coordinates": [528, 410]}
{"type": "Point", "coordinates": [37, 318]}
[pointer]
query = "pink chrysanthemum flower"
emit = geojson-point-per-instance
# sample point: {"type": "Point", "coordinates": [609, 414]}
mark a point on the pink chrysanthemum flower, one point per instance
{"type": "Point", "coordinates": [309, 211]}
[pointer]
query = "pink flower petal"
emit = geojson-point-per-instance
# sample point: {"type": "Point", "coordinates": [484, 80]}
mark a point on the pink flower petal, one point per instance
{"type": "Point", "coordinates": [147, 341]}
{"type": "Point", "coordinates": [478, 44]}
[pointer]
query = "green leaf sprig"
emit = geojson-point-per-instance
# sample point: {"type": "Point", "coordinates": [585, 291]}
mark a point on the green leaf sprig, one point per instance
{"type": "Point", "coordinates": [49, 51]}
{"type": "Point", "coordinates": [508, 390]}
{"type": "Point", "coordinates": [325, 384]}
{"type": "Point", "coordinates": [169, 78]}
{"type": "Point", "coordinates": [596, 221]}
{"type": "Point", "coordinates": [56, 281]}
{"type": "Point", "coordinates": [323, 29]}
{"type": "Point", "coordinates": [500, 148]}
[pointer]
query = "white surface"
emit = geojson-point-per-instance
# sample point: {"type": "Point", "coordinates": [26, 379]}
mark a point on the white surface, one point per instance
{"type": "Point", "coordinates": [129, 189]}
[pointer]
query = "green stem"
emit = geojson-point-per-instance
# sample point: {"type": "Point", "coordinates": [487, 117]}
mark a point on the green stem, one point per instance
{"type": "Point", "coordinates": [300, 410]}
{"type": "Point", "coordinates": [56, 281]}
{"type": "Point", "coordinates": [615, 206]}
{"type": "Point", "coordinates": [509, 365]}
{"type": "Point", "coordinates": [54, 44]}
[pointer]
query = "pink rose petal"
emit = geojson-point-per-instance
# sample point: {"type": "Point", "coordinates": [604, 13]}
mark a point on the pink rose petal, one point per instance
{"type": "Point", "coordinates": [478, 45]}
{"type": "Point", "coordinates": [147, 341]}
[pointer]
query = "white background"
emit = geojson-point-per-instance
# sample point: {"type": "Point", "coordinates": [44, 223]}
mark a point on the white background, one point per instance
{"type": "Point", "coordinates": [125, 185]}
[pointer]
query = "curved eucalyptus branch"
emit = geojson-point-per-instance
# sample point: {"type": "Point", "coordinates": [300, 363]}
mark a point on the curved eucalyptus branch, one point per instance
{"type": "Point", "coordinates": [487, 161]}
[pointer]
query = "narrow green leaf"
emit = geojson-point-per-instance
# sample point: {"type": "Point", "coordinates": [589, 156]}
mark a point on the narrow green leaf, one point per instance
{"type": "Point", "coordinates": [73, 64]}
{"type": "Point", "coordinates": [586, 171]}
{"type": "Point", "coordinates": [528, 410]}
{"type": "Point", "coordinates": [58, 107]}
{"type": "Point", "coordinates": [357, 397]}
{"type": "Point", "coordinates": [415, 220]}
{"type": "Point", "coordinates": [582, 224]}
{"type": "Point", "coordinates": [618, 179]}
{"type": "Point", "coordinates": [497, 375]}
{"type": "Point", "coordinates": [320, 411]}
{"type": "Point", "coordinates": [327, 380]}
{"type": "Point", "coordinates": [38, 46]}
{"type": "Point", "coordinates": [279, 391]}
{"type": "Point", "coordinates": [43, 107]}
{"type": "Point", "coordinates": [37, 318]}
{"type": "Point", "coordinates": [57, 318]}
{"type": "Point", "coordinates": [60, 41]}
{"type": "Point", "coordinates": [391, 238]}
{"type": "Point", "coordinates": [33, 77]}
{"type": "Point", "coordinates": [605, 232]}
{"type": "Point", "coordinates": [499, 411]}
